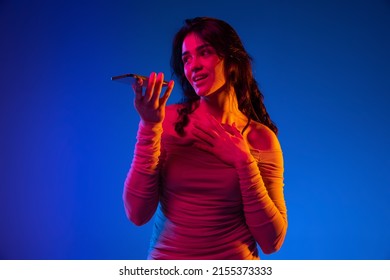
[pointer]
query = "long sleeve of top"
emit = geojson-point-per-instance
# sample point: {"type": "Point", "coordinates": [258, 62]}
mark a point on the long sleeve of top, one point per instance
{"type": "Point", "coordinates": [141, 194]}
{"type": "Point", "coordinates": [261, 184]}
{"type": "Point", "coordinates": [204, 209]}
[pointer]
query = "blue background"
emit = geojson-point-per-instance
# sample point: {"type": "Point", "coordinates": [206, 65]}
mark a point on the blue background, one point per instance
{"type": "Point", "coordinates": [68, 131]}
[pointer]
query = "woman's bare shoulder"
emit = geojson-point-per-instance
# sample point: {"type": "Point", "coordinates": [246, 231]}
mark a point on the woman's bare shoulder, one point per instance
{"type": "Point", "coordinates": [261, 137]}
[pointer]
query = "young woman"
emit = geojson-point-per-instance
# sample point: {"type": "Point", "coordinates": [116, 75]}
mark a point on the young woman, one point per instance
{"type": "Point", "coordinates": [209, 168]}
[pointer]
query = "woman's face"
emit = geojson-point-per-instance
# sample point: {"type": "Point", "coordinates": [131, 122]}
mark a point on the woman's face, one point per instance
{"type": "Point", "coordinates": [203, 68]}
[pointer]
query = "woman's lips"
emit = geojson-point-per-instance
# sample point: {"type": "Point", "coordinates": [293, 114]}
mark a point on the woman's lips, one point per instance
{"type": "Point", "coordinates": [198, 78]}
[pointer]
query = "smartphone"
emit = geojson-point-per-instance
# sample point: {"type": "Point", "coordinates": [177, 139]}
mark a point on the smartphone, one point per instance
{"type": "Point", "coordinates": [130, 79]}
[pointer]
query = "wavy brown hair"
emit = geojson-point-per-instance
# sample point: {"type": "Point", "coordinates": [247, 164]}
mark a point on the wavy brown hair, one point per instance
{"type": "Point", "coordinates": [238, 70]}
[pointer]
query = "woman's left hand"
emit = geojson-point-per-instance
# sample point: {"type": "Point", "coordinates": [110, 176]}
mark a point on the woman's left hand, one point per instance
{"type": "Point", "coordinates": [223, 140]}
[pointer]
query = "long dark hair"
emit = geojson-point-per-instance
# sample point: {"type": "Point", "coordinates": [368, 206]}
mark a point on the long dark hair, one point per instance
{"type": "Point", "coordinates": [238, 70]}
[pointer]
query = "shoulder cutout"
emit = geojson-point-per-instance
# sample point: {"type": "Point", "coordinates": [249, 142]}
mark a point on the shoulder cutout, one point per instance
{"type": "Point", "coordinates": [260, 137]}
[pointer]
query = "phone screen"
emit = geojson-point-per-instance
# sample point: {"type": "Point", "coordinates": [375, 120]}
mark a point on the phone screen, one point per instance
{"type": "Point", "coordinates": [130, 79]}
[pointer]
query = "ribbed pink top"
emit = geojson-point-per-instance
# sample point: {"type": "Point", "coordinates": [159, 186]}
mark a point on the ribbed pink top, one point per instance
{"type": "Point", "coordinates": [206, 209]}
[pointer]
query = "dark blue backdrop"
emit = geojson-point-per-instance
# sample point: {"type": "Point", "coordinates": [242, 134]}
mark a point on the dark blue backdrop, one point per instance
{"type": "Point", "coordinates": [67, 131]}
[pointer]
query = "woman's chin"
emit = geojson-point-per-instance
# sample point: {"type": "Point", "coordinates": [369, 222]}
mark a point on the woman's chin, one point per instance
{"type": "Point", "coordinates": [202, 92]}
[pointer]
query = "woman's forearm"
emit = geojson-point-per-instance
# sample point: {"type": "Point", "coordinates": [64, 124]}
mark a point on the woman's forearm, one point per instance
{"type": "Point", "coordinates": [263, 204]}
{"type": "Point", "coordinates": [141, 192]}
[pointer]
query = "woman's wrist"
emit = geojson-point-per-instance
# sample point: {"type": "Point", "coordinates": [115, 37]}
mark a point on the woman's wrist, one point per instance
{"type": "Point", "coordinates": [244, 160]}
{"type": "Point", "coordinates": [151, 125]}
{"type": "Point", "coordinates": [149, 133]}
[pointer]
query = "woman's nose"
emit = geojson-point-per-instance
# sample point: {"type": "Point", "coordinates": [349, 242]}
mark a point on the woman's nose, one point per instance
{"type": "Point", "coordinates": [195, 64]}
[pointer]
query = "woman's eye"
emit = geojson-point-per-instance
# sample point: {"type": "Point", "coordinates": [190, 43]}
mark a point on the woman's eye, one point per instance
{"type": "Point", "coordinates": [185, 59]}
{"type": "Point", "coordinates": [205, 52]}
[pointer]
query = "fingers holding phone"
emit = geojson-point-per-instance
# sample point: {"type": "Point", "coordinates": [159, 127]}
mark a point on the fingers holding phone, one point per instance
{"type": "Point", "coordinates": [151, 105]}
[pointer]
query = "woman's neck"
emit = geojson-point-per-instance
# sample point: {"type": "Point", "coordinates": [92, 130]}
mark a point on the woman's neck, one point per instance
{"type": "Point", "coordinates": [221, 105]}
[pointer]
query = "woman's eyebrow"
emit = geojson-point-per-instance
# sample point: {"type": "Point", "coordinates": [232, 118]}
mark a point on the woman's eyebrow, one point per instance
{"type": "Point", "coordinates": [199, 48]}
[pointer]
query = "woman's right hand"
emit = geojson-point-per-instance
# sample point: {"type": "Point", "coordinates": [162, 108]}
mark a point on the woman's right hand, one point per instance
{"type": "Point", "coordinates": [149, 105]}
